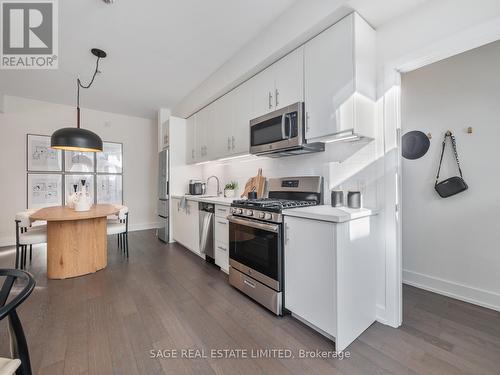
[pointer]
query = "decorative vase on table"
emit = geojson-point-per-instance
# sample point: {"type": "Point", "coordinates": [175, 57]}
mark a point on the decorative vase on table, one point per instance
{"type": "Point", "coordinates": [83, 201]}
{"type": "Point", "coordinates": [73, 197]}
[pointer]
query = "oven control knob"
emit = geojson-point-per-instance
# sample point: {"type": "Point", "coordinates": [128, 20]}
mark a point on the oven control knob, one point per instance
{"type": "Point", "coordinates": [261, 215]}
{"type": "Point", "coordinates": [237, 211]}
{"type": "Point", "coordinates": [268, 216]}
{"type": "Point", "coordinates": [249, 212]}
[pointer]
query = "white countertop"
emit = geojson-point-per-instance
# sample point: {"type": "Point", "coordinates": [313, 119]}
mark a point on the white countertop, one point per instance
{"type": "Point", "coordinates": [207, 198]}
{"type": "Point", "coordinates": [329, 213]}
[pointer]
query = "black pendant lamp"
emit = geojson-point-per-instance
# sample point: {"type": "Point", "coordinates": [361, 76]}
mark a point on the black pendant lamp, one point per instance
{"type": "Point", "coordinates": [78, 139]}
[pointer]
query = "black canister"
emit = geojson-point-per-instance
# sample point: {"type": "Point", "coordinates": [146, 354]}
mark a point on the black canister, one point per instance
{"type": "Point", "coordinates": [354, 199]}
{"type": "Point", "coordinates": [337, 198]}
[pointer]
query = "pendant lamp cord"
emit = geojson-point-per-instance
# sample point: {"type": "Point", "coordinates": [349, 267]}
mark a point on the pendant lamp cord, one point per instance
{"type": "Point", "coordinates": [79, 84]}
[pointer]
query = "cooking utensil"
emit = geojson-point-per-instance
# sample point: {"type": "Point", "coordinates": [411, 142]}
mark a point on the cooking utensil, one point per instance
{"type": "Point", "coordinates": [256, 184]}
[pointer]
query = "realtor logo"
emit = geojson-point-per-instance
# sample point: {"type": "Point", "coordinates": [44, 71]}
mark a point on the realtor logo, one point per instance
{"type": "Point", "coordinates": [29, 34]}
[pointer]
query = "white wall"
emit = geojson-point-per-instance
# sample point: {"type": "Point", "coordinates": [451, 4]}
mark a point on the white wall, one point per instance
{"type": "Point", "coordinates": [139, 138]}
{"type": "Point", "coordinates": [433, 31]}
{"type": "Point", "coordinates": [451, 245]}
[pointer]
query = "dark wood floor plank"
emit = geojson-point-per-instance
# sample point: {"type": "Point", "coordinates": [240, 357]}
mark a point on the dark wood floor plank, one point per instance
{"type": "Point", "coordinates": [166, 298]}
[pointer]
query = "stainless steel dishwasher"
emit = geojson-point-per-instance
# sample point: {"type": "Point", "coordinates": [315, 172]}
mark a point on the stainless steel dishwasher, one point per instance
{"type": "Point", "coordinates": [207, 213]}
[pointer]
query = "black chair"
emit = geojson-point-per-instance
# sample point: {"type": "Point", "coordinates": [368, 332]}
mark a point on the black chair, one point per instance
{"type": "Point", "coordinates": [18, 340]}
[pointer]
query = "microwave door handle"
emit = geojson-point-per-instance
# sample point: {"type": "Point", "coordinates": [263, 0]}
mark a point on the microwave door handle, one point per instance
{"type": "Point", "coordinates": [289, 116]}
{"type": "Point", "coordinates": [283, 123]}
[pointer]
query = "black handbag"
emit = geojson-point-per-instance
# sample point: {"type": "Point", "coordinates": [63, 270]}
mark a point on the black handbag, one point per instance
{"type": "Point", "coordinates": [452, 185]}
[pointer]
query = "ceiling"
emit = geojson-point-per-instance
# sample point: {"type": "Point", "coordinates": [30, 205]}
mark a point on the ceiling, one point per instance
{"type": "Point", "coordinates": [158, 51]}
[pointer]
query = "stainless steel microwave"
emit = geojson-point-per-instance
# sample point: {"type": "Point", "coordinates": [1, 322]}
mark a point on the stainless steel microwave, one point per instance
{"type": "Point", "coordinates": [281, 133]}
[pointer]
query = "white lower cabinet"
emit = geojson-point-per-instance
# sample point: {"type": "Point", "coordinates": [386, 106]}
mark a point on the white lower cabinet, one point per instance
{"type": "Point", "coordinates": [310, 272]}
{"type": "Point", "coordinates": [330, 276]}
{"type": "Point", "coordinates": [221, 237]}
{"type": "Point", "coordinates": [185, 224]}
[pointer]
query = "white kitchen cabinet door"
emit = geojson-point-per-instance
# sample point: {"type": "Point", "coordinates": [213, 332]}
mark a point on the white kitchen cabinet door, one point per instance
{"type": "Point", "coordinates": [328, 77]}
{"type": "Point", "coordinates": [222, 118]}
{"type": "Point", "coordinates": [191, 139]}
{"type": "Point", "coordinates": [221, 232]}
{"type": "Point", "coordinates": [222, 256]}
{"type": "Point", "coordinates": [185, 224]}
{"type": "Point", "coordinates": [289, 79]}
{"type": "Point", "coordinates": [310, 272]}
{"type": "Point", "coordinates": [240, 124]}
{"type": "Point", "coordinates": [204, 135]}
{"type": "Point", "coordinates": [263, 92]}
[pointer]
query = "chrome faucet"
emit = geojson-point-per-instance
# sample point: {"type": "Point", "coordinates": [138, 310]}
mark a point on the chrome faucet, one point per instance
{"type": "Point", "coordinates": [219, 192]}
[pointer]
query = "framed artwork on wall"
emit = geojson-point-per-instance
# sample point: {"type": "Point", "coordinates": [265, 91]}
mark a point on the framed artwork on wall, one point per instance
{"type": "Point", "coordinates": [44, 190]}
{"type": "Point", "coordinates": [109, 188]}
{"type": "Point", "coordinates": [110, 160]}
{"type": "Point", "coordinates": [40, 157]}
{"type": "Point", "coordinates": [79, 162]}
{"type": "Point", "coordinates": [76, 179]}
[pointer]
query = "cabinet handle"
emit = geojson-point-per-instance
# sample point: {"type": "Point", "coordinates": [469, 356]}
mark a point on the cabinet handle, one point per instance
{"type": "Point", "coordinates": [233, 142]}
{"type": "Point", "coordinates": [270, 100]}
{"type": "Point", "coordinates": [221, 209]}
{"type": "Point", "coordinates": [228, 143]}
{"type": "Point", "coordinates": [192, 154]}
{"type": "Point", "coordinates": [307, 121]}
{"type": "Point", "coordinates": [221, 248]}
{"type": "Point", "coordinates": [249, 283]}
{"type": "Point", "coordinates": [276, 94]}
{"type": "Point", "coordinates": [221, 222]}
{"type": "Point", "coordinates": [286, 234]}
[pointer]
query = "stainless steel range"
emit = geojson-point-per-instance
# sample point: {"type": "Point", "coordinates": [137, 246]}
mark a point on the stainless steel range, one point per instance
{"type": "Point", "coordinates": [256, 237]}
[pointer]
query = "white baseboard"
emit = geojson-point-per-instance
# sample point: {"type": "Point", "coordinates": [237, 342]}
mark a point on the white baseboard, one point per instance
{"type": "Point", "coordinates": [11, 240]}
{"type": "Point", "coordinates": [452, 289]}
{"type": "Point", "coordinates": [143, 226]}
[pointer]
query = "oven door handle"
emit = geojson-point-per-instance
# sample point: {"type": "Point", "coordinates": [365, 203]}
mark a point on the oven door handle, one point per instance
{"type": "Point", "coordinates": [254, 224]}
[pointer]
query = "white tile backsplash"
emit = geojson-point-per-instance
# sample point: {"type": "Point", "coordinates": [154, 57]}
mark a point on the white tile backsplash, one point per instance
{"type": "Point", "coordinates": [355, 172]}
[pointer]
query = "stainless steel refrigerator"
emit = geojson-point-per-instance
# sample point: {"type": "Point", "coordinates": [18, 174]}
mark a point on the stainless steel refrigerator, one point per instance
{"type": "Point", "coordinates": [163, 195]}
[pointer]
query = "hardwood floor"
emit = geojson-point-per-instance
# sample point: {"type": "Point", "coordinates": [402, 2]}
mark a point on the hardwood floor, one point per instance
{"type": "Point", "coordinates": [165, 297]}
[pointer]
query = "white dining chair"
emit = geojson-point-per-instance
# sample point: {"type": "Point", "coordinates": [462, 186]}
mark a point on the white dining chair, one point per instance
{"type": "Point", "coordinates": [27, 234]}
{"type": "Point", "coordinates": [9, 366]}
{"type": "Point", "coordinates": [120, 228]}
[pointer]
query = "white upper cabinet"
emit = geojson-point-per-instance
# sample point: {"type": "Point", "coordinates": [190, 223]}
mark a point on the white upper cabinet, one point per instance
{"type": "Point", "coordinates": [191, 139]}
{"type": "Point", "coordinates": [221, 125]}
{"type": "Point", "coordinates": [333, 73]}
{"type": "Point", "coordinates": [205, 125]}
{"type": "Point", "coordinates": [242, 107]}
{"type": "Point", "coordinates": [279, 85]}
{"type": "Point", "coordinates": [339, 80]}
{"type": "Point", "coordinates": [289, 79]}
{"type": "Point", "coordinates": [263, 92]}
{"type": "Point", "coordinates": [163, 128]}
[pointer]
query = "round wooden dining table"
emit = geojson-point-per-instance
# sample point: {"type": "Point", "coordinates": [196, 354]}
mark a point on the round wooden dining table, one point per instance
{"type": "Point", "coordinates": [76, 241]}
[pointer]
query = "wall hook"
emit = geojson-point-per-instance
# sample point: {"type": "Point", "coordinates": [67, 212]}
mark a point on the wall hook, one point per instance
{"type": "Point", "coordinates": [429, 135]}
{"type": "Point", "coordinates": [469, 130]}
{"type": "Point", "coordinates": [449, 133]}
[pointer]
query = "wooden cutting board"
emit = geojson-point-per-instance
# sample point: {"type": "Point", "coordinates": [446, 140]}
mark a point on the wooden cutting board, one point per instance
{"type": "Point", "coordinates": [256, 184]}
